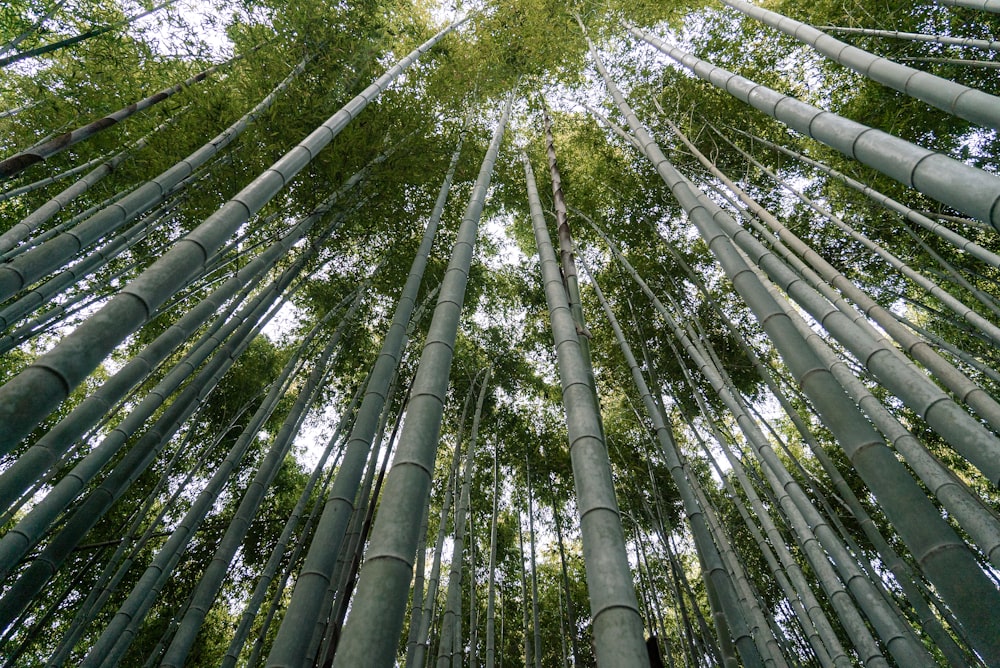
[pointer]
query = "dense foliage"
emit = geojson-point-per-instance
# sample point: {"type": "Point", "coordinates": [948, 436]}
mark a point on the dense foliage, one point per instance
{"type": "Point", "coordinates": [741, 439]}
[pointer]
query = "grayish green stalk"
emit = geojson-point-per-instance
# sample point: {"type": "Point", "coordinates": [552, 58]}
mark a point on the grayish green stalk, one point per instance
{"type": "Point", "coordinates": [451, 622]}
{"type": "Point", "coordinates": [992, 45]}
{"type": "Point", "coordinates": [616, 620]}
{"type": "Point", "coordinates": [984, 5]}
{"type": "Point", "coordinates": [372, 630]}
{"type": "Point", "coordinates": [707, 548]}
{"type": "Point", "coordinates": [42, 214]}
{"type": "Point", "coordinates": [955, 380]}
{"type": "Point", "coordinates": [42, 151]}
{"type": "Point", "coordinates": [310, 587]}
{"type": "Point", "coordinates": [211, 580]}
{"type": "Point", "coordinates": [943, 556]}
{"type": "Point", "coordinates": [75, 39]}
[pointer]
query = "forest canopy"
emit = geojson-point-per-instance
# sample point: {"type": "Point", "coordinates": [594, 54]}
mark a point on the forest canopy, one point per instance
{"type": "Point", "coordinates": [499, 333]}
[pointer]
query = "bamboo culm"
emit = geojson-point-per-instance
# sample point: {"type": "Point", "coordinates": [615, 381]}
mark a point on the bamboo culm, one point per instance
{"type": "Point", "coordinates": [371, 633]}
{"type": "Point", "coordinates": [44, 258]}
{"type": "Point", "coordinates": [22, 229]}
{"type": "Point", "coordinates": [707, 548]}
{"type": "Point", "coordinates": [451, 622]}
{"type": "Point", "coordinates": [138, 458]}
{"type": "Point", "coordinates": [342, 585]}
{"type": "Point", "coordinates": [536, 638]}
{"type": "Point", "coordinates": [964, 312]}
{"type": "Point", "coordinates": [45, 451]}
{"type": "Point", "coordinates": [422, 642]}
{"type": "Point", "coordinates": [12, 44]}
{"type": "Point", "coordinates": [967, 103]}
{"type": "Point", "coordinates": [958, 382]}
{"type": "Point", "coordinates": [491, 592]}
{"type": "Point", "coordinates": [21, 161]}
{"type": "Point", "coordinates": [992, 45]}
{"type": "Point", "coordinates": [118, 634]}
{"type": "Point", "coordinates": [983, 5]}
{"type": "Point", "coordinates": [132, 545]}
{"type": "Point", "coordinates": [211, 580]}
{"type": "Point", "coordinates": [901, 569]}
{"type": "Point", "coordinates": [307, 597]}
{"type": "Point", "coordinates": [979, 445]}
{"type": "Point", "coordinates": [279, 550]}
{"type": "Point", "coordinates": [616, 620]}
{"type": "Point", "coordinates": [69, 41]}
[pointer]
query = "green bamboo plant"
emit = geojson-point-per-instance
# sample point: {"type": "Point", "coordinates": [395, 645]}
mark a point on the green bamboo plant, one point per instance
{"type": "Point", "coordinates": [19, 162]}
{"type": "Point", "coordinates": [339, 507]}
{"type": "Point", "coordinates": [614, 611]}
{"type": "Point", "coordinates": [924, 530]}
{"type": "Point", "coordinates": [379, 606]}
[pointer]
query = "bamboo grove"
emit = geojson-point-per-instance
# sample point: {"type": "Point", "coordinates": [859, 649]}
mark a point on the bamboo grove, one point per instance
{"type": "Point", "coordinates": [505, 334]}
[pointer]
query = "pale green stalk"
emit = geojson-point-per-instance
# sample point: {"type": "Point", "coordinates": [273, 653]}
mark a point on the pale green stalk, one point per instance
{"type": "Point", "coordinates": [44, 150]}
{"type": "Point", "coordinates": [491, 592]}
{"type": "Point", "coordinates": [20, 230]}
{"type": "Point", "coordinates": [211, 580]}
{"type": "Point", "coordinates": [984, 5]}
{"type": "Point", "coordinates": [992, 45]}
{"type": "Point", "coordinates": [942, 554]}
{"type": "Point", "coordinates": [955, 380]}
{"type": "Point", "coordinates": [618, 635]}
{"type": "Point", "coordinates": [321, 559]}
{"type": "Point", "coordinates": [371, 633]}
{"type": "Point", "coordinates": [451, 622]}
{"type": "Point", "coordinates": [117, 636]}
{"type": "Point", "coordinates": [956, 306]}
{"type": "Point", "coordinates": [730, 606]}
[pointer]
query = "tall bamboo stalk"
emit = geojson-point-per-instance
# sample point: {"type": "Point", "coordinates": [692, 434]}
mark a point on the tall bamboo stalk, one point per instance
{"type": "Point", "coordinates": [491, 592]}
{"type": "Point", "coordinates": [902, 571]}
{"type": "Point", "coordinates": [536, 632]}
{"type": "Point", "coordinates": [707, 548]}
{"type": "Point", "coordinates": [12, 44]}
{"type": "Point", "coordinates": [380, 603]}
{"type": "Point", "coordinates": [21, 161]}
{"type": "Point", "coordinates": [954, 379]}
{"type": "Point", "coordinates": [451, 622]}
{"type": "Point", "coordinates": [211, 580]}
{"type": "Point", "coordinates": [956, 306]}
{"type": "Point", "coordinates": [117, 636]}
{"type": "Point", "coordinates": [952, 569]}
{"type": "Point", "coordinates": [614, 611]}
{"type": "Point", "coordinates": [990, 44]}
{"type": "Point", "coordinates": [984, 5]}
{"type": "Point", "coordinates": [418, 657]}
{"type": "Point", "coordinates": [20, 231]}
{"type": "Point", "coordinates": [809, 524]}
{"type": "Point", "coordinates": [307, 597]}
{"type": "Point", "coordinates": [45, 257]}
{"type": "Point", "coordinates": [75, 39]}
